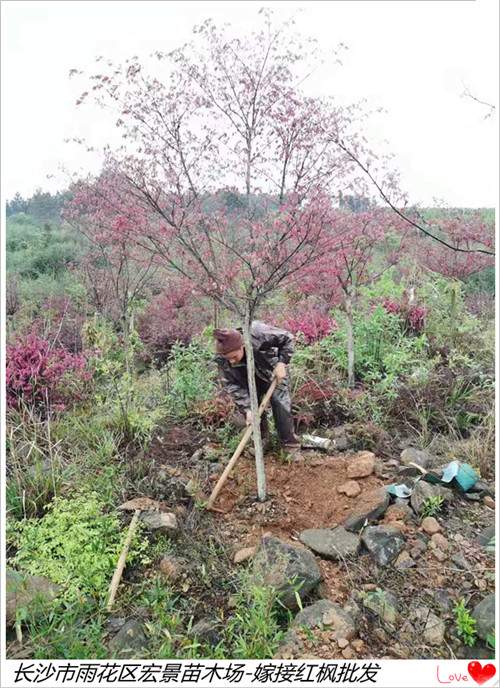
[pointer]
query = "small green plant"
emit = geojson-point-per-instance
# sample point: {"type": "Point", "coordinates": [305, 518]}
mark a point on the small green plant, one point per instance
{"type": "Point", "coordinates": [75, 545]}
{"type": "Point", "coordinates": [490, 641]}
{"type": "Point", "coordinates": [432, 505]}
{"type": "Point", "coordinates": [253, 632]}
{"type": "Point", "coordinates": [465, 624]}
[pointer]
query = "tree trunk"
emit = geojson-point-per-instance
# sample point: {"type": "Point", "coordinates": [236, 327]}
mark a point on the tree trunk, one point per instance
{"type": "Point", "coordinates": [350, 342]}
{"type": "Point", "coordinates": [254, 405]}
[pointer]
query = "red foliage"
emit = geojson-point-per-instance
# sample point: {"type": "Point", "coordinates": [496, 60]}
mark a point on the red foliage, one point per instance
{"type": "Point", "coordinates": [176, 315]}
{"type": "Point", "coordinates": [43, 377]}
{"type": "Point", "coordinates": [312, 324]}
{"type": "Point", "coordinates": [466, 230]}
{"type": "Point", "coordinates": [216, 411]}
{"type": "Point", "coordinates": [413, 316]}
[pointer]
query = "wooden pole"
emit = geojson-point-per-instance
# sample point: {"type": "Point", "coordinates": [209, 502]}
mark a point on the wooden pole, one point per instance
{"type": "Point", "coordinates": [241, 446]}
{"type": "Point", "coordinates": [121, 561]}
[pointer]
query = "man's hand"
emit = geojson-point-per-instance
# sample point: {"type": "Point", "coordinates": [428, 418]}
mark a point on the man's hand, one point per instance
{"type": "Point", "coordinates": [249, 418]}
{"type": "Point", "coordinates": [280, 372]}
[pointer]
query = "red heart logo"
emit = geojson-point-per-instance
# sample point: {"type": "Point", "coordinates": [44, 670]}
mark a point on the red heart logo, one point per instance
{"type": "Point", "coordinates": [481, 674]}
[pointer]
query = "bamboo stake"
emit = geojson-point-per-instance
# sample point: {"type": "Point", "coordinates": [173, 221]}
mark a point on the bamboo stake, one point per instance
{"type": "Point", "coordinates": [121, 561]}
{"type": "Point", "coordinates": [241, 446]}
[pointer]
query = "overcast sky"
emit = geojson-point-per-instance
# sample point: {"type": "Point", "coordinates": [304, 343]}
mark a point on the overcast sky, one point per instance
{"type": "Point", "coordinates": [412, 57]}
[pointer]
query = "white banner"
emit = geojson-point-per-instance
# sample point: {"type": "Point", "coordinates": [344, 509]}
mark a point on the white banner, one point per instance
{"type": "Point", "coordinates": [250, 673]}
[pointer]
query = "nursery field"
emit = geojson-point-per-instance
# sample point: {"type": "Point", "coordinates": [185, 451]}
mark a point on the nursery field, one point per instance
{"type": "Point", "coordinates": [362, 524]}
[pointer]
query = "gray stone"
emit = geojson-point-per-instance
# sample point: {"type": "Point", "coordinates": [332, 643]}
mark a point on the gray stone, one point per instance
{"type": "Point", "coordinates": [484, 613]}
{"type": "Point", "coordinates": [326, 614]}
{"type": "Point", "coordinates": [443, 599]}
{"type": "Point", "coordinates": [483, 488]}
{"type": "Point", "coordinates": [330, 544]}
{"type": "Point", "coordinates": [24, 592]}
{"type": "Point", "coordinates": [286, 568]}
{"type": "Point", "coordinates": [207, 630]}
{"type": "Point", "coordinates": [159, 520]}
{"type": "Point", "coordinates": [130, 641]}
{"type": "Point", "coordinates": [413, 455]}
{"type": "Point", "coordinates": [460, 561]}
{"type": "Point", "coordinates": [382, 603]}
{"type": "Point", "coordinates": [434, 630]}
{"type": "Point", "coordinates": [424, 490]}
{"type": "Point", "coordinates": [486, 534]}
{"type": "Point", "coordinates": [377, 500]}
{"type": "Point", "coordinates": [384, 543]}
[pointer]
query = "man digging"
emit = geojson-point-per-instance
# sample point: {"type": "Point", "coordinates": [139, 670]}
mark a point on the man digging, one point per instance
{"type": "Point", "coordinates": [272, 350]}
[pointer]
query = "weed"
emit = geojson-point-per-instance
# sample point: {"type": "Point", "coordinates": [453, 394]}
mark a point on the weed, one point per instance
{"type": "Point", "coordinates": [432, 505]}
{"type": "Point", "coordinates": [75, 545]}
{"type": "Point", "coordinates": [465, 624]}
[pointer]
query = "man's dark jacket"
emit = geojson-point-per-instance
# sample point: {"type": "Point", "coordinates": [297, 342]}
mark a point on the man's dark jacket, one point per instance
{"type": "Point", "coordinates": [270, 346]}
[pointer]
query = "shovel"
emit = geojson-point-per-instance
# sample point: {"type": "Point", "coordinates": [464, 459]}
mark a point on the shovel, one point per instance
{"type": "Point", "coordinates": [241, 446]}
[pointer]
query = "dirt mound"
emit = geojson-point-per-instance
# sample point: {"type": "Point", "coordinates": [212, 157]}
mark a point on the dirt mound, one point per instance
{"type": "Point", "coordinates": [301, 494]}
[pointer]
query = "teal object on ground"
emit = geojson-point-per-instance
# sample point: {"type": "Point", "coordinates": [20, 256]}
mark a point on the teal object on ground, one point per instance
{"type": "Point", "coordinates": [466, 477]}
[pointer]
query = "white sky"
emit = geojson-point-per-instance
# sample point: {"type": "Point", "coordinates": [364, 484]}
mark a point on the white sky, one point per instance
{"type": "Point", "coordinates": [412, 57]}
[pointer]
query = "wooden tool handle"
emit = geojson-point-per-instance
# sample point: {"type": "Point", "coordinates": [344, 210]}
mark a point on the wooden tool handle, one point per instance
{"type": "Point", "coordinates": [241, 446]}
{"type": "Point", "coordinates": [121, 561]}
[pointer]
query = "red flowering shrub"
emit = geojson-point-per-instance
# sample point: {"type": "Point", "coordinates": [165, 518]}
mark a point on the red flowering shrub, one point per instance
{"type": "Point", "coordinates": [216, 411]}
{"type": "Point", "coordinates": [43, 377]}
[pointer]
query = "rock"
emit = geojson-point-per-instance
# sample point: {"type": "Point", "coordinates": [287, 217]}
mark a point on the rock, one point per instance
{"type": "Point", "coordinates": [472, 496]}
{"type": "Point", "coordinates": [373, 507]}
{"type": "Point", "coordinates": [434, 630]}
{"type": "Point", "coordinates": [31, 593]}
{"type": "Point", "coordinates": [438, 541]}
{"type": "Point", "coordinates": [485, 535]}
{"type": "Point", "coordinates": [172, 567]}
{"type": "Point", "coordinates": [350, 488]}
{"type": "Point", "coordinates": [483, 488]}
{"type": "Point", "coordinates": [324, 613]}
{"type": "Point", "coordinates": [384, 604]}
{"type": "Point", "coordinates": [398, 512]}
{"type": "Point", "coordinates": [361, 465]}
{"type": "Point", "coordinates": [130, 641]}
{"type": "Point", "coordinates": [342, 642]}
{"type": "Point", "coordinates": [331, 544]}
{"type": "Point", "coordinates": [340, 438]}
{"type": "Point", "coordinates": [443, 599]}
{"type": "Point", "coordinates": [404, 561]}
{"type": "Point", "coordinates": [423, 491]}
{"type": "Point", "coordinates": [413, 455]}
{"type": "Point", "coordinates": [198, 454]}
{"type": "Point", "coordinates": [290, 646]}
{"type": "Point", "coordinates": [484, 613]}
{"type": "Point", "coordinates": [460, 561]}
{"type": "Point", "coordinates": [358, 645]}
{"type": "Point", "coordinates": [159, 520]}
{"type": "Point", "coordinates": [430, 525]}
{"type": "Point", "coordinates": [489, 502]}
{"type": "Point", "coordinates": [383, 543]}
{"type": "Point", "coordinates": [244, 554]}
{"type": "Point", "coordinates": [207, 630]}
{"type": "Point", "coordinates": [287, 569]}
{"type": "Point", "coordinates": [381, 635]}
{"type": "Point", "coordinates": [348, 653]}
{"type": "Point", "coordinates": [439, 555]}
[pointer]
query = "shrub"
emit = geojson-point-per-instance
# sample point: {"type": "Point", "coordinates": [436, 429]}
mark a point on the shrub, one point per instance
{"type": "Point", "coordinates": [312, 324]}
{"type": "Point", "coordinates": [190, 379]}
{"type": "Point", "coordinates": [42, 377]}
{"type": "Point", "coordinates": [465, 623]}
